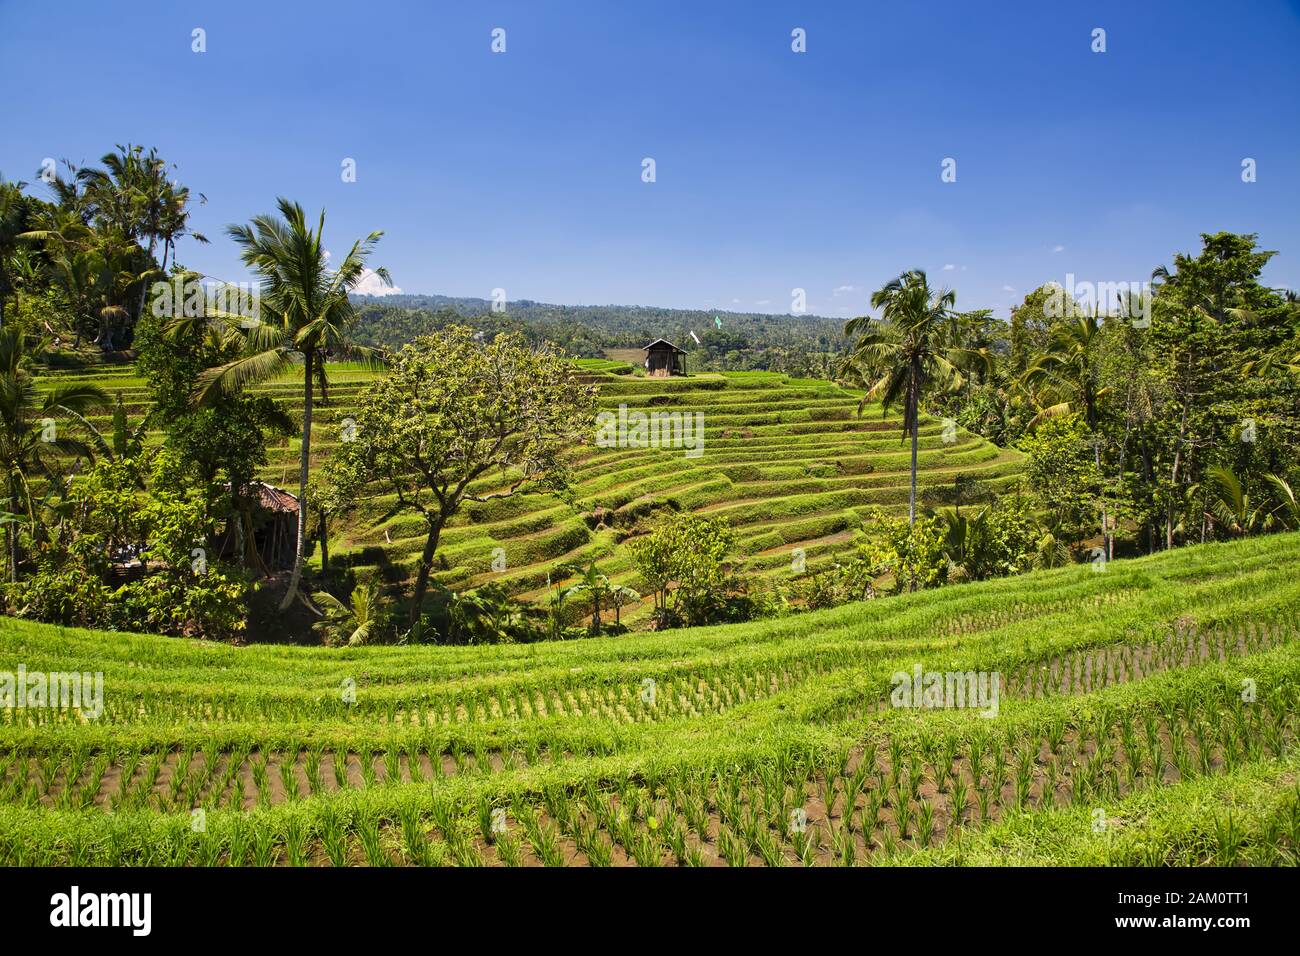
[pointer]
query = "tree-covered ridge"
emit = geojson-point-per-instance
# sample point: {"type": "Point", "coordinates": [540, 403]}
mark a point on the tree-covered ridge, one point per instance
{"type": "Point", "coordinates": [798, 344]}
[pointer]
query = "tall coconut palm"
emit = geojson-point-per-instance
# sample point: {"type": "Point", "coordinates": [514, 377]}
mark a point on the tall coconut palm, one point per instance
{"type": "Point", "coordinates": [305, 315]}
{"type": "Point", "coordinates": [911, 349]}
{"type": "Point", "coordinates": [30, 436]}
{"type": "Point", "coordinates": [175, 221]}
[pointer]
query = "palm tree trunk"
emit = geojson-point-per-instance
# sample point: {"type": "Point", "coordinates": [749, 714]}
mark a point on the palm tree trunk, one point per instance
{"type": "Point", "coordinates": [17, 487]}
{"type": "Point", "coordinates": [1169, 511]}
{"type": "Point", "coordinates": [1106, 548]}
{"type": "Point", "coordinates": [144, 286]}
{"type": "Point", "coordinates": [302, 482]}
{"type": "Point", "coordinates": [911, 499]}
{"type": "Point", "coordinates": [236, 519]}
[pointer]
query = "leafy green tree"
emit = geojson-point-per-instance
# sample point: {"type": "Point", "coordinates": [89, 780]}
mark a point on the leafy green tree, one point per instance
{"type": "Point", "coordinates": [1063, 474]}
{"type": "Point", "coordinates": [133, 509]}
{"type": "Point", "coordinates": [686, 556]}
{"type": "Point", "coordinates": [225, 438]}
{"type": "Point", "coordinates": [1031, 325]}
{"type": "Point", "coordinates": [1007, 539]}
{"type": "Point", "coordinates": [912, 551]}
{"type": "Point", "coordinates": [459, 420]}
{"type": "Point", "coordinates": [305, 315]}
{"type": "Point", "coordinates": [1212, 318]}
{"type": "Point", "coordinates": [1135, 402]}
{"type": "Point", "coordinates": [14, 215]}
{"type": "Point", "coordinates": [1068, 374]}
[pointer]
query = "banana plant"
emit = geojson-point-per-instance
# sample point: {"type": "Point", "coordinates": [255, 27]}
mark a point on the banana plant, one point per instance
{"type": "Point", "coordinates": [594, 584]}
{"type": "Point", "coordinates": [619, 595]}
{"type": "Point", "coordinates": [555, 598]}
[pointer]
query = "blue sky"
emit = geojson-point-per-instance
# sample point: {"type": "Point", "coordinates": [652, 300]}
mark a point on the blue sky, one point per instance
{"type": "Point", "coordinates": [775, 170]}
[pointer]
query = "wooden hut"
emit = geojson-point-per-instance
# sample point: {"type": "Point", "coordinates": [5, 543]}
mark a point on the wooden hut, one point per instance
{"type": "Point", "coordinates": [271, 523]}
{"type": "Point", "coordinates": [664, 358]}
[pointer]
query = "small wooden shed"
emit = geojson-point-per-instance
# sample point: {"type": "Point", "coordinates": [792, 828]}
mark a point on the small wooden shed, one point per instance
{"type": "Point", "coordinates": [664, 358]}
{"type": "Point", "coordinates": [271, 534]}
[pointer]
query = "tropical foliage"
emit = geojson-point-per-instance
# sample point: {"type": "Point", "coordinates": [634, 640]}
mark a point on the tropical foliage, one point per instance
{"type": "Point", "coordinates": [1079, 430]}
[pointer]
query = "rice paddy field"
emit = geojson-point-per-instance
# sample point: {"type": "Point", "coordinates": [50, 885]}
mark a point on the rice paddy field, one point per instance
{"type": "Point", "coordinates": [788, 462]}
{"type": "Point", "coordinates": [1147, 715]}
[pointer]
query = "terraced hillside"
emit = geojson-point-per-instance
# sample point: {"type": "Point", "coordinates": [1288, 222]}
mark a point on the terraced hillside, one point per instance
{"type": "Point", "coordinates": [788, 462]}
{"type": "Point", "coordinates": [1147, 714]}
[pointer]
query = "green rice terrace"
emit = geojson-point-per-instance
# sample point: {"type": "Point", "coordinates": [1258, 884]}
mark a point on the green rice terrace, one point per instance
{"type": "Point", "coordinates": [1147, 714]}
{"type": "Point", "coordinates": [788, 462]}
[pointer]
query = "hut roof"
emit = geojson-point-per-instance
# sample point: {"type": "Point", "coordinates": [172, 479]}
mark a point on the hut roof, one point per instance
{"type": "Point", "coordinates": [663, 342]}
{"type": "Point", "coordinates": [271, 498]}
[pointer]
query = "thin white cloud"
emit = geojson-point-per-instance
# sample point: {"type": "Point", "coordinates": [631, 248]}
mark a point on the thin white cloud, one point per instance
{"type": "Point", "coordinates": [763, 302]}
{"type": "Point", "coordinates": [371, 284]}
{"type": "Point", "coordinates": [1007, 288]}
{"type": "Point", "coordinates": [841, 289]}
{"type": "Point", "coordinates": [1058, 248]}
{"type": "Point", "coordinates": [949, 267]}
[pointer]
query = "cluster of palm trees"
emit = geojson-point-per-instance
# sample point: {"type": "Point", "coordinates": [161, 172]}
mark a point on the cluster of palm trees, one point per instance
{"type": "Point", "coordinates": [96, 242]}
{"type": "Point", "coordinates": [921, 348]}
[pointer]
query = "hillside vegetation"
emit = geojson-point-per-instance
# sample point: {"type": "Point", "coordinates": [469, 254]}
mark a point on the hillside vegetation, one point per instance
{"type": "Point", "coordinates": [788, 462]}
{"type": "Point", "coordinates": [1147, 714]}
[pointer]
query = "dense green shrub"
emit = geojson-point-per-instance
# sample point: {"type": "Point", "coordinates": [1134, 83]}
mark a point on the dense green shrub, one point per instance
{"type": "Point", "coordinates": [127, 508]}
{"type": "Point", "coordinates": [683, 561]}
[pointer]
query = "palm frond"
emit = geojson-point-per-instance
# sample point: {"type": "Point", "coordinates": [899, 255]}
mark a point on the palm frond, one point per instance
{"type": "Point", "coordinates": [237, 375]}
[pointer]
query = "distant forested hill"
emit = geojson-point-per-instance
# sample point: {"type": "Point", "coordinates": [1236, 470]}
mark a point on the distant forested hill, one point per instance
{"type": "Point", "coordinates": [796, 344]}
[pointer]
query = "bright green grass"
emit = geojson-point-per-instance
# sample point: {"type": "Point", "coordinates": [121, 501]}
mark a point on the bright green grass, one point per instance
{"type": "Point", "coordinates": [1123, 688]}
